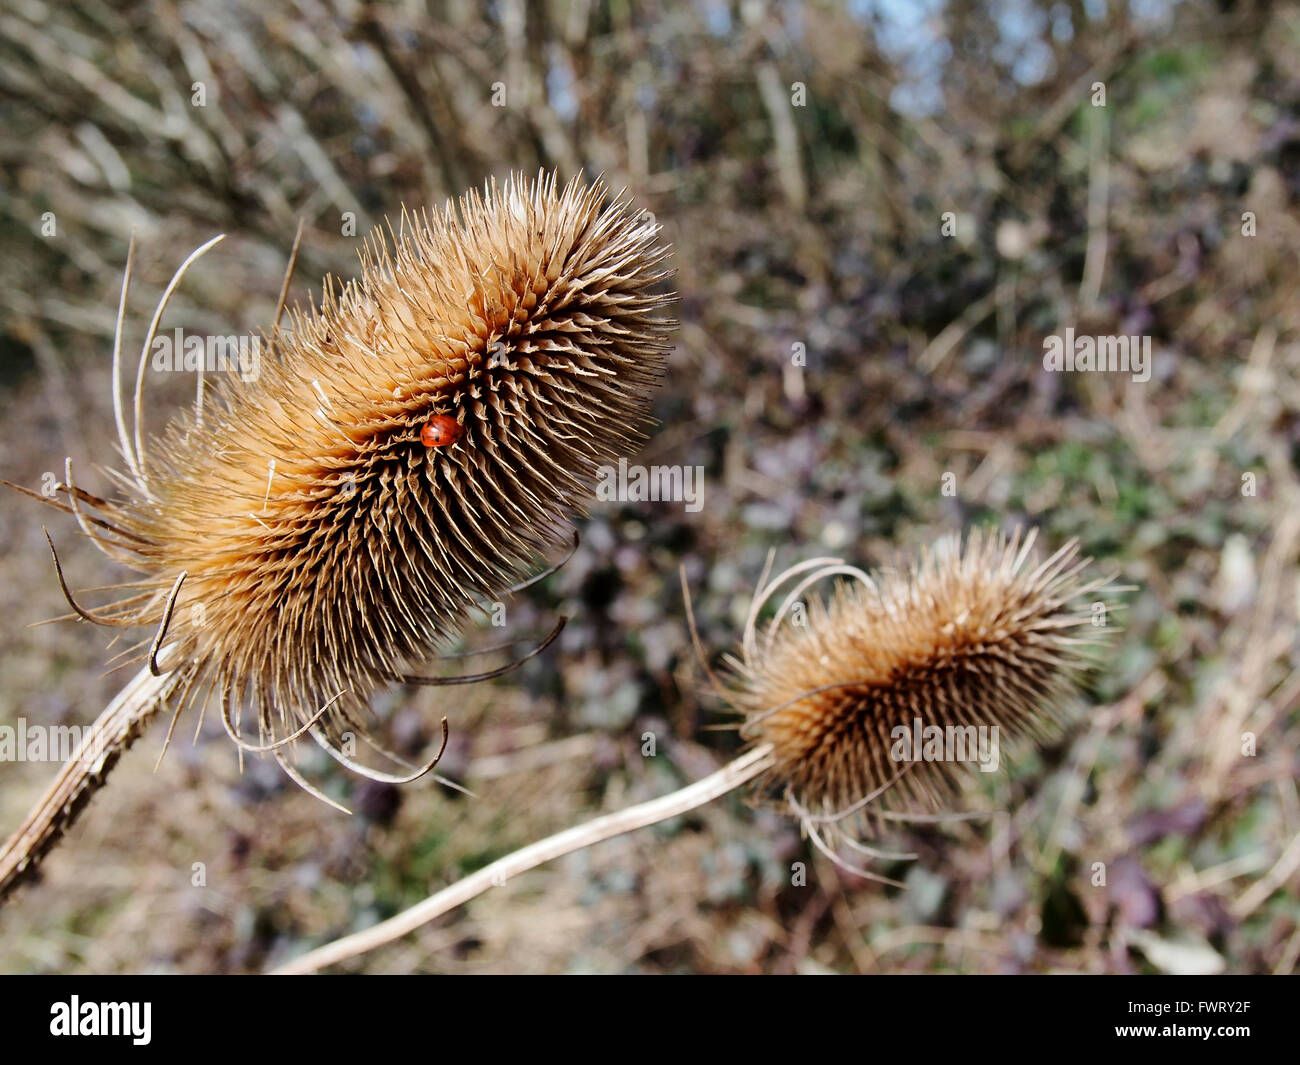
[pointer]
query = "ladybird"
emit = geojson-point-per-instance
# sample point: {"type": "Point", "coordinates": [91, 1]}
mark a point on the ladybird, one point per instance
{"type": "Point", "coordinates": [441, 430]}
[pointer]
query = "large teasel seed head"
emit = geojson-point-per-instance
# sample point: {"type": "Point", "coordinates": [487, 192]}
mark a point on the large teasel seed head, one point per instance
{"type": "Point", "coordinates": [980, 633]}
{"type": "Point", "coordinates": [326, 545]}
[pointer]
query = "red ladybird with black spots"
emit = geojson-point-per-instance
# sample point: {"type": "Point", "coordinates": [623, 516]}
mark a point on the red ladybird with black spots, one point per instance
{"type": "Point", "coordinates": [441, 430]}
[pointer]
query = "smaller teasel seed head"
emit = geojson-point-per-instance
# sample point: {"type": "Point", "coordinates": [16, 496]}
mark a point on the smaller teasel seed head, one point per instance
{"type": "Point", "coordinates": [974, 635]}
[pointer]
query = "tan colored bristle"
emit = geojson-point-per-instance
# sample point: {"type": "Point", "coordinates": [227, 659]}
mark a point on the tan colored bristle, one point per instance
{"type": "Point", "coordinates": [324, 545]}
{"type": "Point", "coordinates": [980, 634]}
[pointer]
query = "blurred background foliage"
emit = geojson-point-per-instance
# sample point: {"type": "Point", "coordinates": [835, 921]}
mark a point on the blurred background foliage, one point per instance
{"type": "Point", "coordinates": [802, 158]}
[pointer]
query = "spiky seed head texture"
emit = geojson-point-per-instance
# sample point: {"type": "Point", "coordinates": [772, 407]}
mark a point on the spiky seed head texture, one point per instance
{"type": "Point", "coordinates": [980, 634]}
{"type": "Point", "coordinates": [325, 545]}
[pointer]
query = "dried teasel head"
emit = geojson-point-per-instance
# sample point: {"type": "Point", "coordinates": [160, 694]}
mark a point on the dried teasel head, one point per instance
{"type": "Point", "coordinates": [980, 635]}
{"type": "Point", "coordinates": [406, 449]}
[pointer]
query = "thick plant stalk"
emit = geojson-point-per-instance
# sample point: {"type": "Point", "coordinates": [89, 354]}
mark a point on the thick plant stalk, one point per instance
{"type": "Point", "coordinates": [731, 776]}
{"type": "Point", "coordinates": [84, 773]}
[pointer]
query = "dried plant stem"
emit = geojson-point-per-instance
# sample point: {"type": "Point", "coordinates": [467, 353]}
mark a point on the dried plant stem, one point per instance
{"type": "Point", "coordinates": [731, 776]}
{"type": "Point", "coordinates": [84, 773]}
